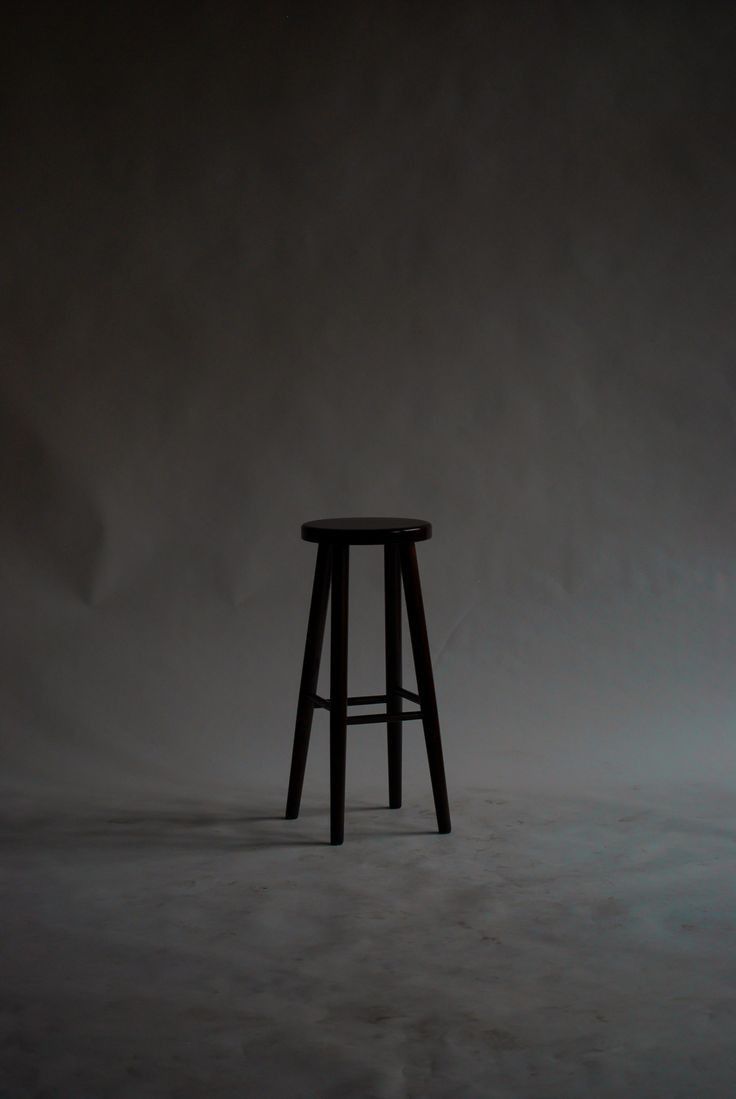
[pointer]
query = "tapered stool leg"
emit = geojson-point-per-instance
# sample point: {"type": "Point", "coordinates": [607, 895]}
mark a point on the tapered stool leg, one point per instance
{"type": "Point", "coordinates": [392, 581]}
{"type": "Point", "coordinates": [425, 682]}
{"type": "Point", "coordinates": [338, 690]}
{"type": "Point", "coordinates": [310, 675]}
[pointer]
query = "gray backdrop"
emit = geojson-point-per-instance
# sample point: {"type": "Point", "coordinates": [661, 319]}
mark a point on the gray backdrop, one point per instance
{"type": "Point", "coordinates": [270, 262]}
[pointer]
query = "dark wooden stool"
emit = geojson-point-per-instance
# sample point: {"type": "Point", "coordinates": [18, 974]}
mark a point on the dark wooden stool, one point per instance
{"type": "Point", "coordinates": [334, 538]}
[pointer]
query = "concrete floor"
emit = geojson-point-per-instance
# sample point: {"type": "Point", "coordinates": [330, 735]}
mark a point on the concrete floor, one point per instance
{"type": "Point", "coordinates": [552, 946]}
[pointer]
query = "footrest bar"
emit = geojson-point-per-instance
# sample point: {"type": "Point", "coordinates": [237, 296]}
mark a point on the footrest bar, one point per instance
{"type": "Point", "coordinates": [370, 719]}
{"type": "Point", "coordinates": [354, 700]}
{"type": "Point", "coordinates": [409, 694]}
{"type": "Point", "coordinates": [372, 700]}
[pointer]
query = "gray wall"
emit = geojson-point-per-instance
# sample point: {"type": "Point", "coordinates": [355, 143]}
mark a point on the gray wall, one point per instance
{"type": "Point", "coordinates": [269, 262]}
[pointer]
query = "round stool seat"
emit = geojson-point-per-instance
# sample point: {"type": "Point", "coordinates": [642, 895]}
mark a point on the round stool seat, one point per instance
{"type": "Point", "coordinates": [366, 531]}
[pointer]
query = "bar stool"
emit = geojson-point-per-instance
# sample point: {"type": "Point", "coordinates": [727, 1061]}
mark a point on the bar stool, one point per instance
{"type": "Point", "coordinates": [334, 538]}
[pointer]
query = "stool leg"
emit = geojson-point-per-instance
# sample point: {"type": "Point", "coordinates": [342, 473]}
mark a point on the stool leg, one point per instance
{"type": "Point", "coordinates": [338, 691]}
{"type": "Point", "coordinates": [425, 682]}
{"type": "Point", "coordinates": [392, 577]}
{"type": "Point", "coordinates": [310, 675]}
